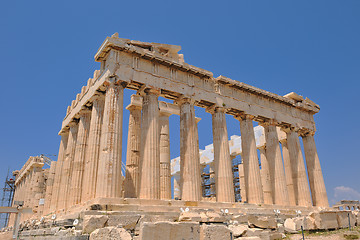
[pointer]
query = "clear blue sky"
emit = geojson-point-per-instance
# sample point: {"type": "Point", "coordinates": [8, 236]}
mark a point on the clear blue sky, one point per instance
{"type": "Point", "coordinates": [309, 47]}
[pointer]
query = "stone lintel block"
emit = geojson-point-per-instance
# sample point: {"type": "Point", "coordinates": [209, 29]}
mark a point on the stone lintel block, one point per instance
{"type": "Point", "coordinates": [343, 219]}
{"type": "Point", "coordinates": [265, 222]}
{"type": "Point", "coordinates": [214, 232]}
{"type": "Point", "coordinates": [90, 223]}
{"type": "Point", "coordinates": [127, 222]}
{"type": "Point", "coordinates": [110, 233]}
{"type": "Point", "coordinates": [167, 230]}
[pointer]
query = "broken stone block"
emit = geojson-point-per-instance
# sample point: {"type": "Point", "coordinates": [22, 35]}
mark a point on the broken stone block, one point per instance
{"type": "Point", "coordinates": [190, 217]}
{"type": "Point", "coordinates": [125, 221]}
{"type": "Point", "coordinates": [262, 222]}
{"type": "Point", "coordinates": [243, 218]}
{"type": "Point", "coordinates": [90, 223]}
{"type": "Point", "coordinates": [238, 230]}
{"type": "Point", "coordinates": [63, 232]}
{"type": "Point", "coordinates": [325, 219]}
{"type": "Point", "coordinates": [263, 234]}
{"type": "Point", "coordinates": [214, 232]}
{"type": "Point", "coordinates": [275, 236]}
{"type": "Point", "coordinates": [357, 216]}
{"type": "Point", "coordinates": [253, 232]}
{"type": "Point", "coordinates": [214, 217]}
{"type": "Point", "coordinates": [293, 225]}
{"type": "Point", "coordinates": [343, 219]}
{"type": "Point", "coordinates": [110, 233]}
{"type": "Point", "coordinates": [309, 223]}
{"type": "Point", "coordinates": [170, 230]}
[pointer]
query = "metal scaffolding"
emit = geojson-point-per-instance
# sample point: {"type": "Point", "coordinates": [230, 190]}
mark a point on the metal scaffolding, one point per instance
{"type": "Point", "coordinates": [7, 198]}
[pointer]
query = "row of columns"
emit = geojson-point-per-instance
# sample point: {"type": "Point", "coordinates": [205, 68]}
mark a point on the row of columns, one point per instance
{"type": "Point", "coordinates": [89, 163]}
{"type": "Point", "coordinates": [31, 188]}
{"type": "Point", "coordinates": [89, 160]}
{"type": "Point", "coordinates": [282, 179]}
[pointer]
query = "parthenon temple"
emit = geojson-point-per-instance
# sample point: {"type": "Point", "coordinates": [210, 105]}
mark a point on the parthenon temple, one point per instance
{"type": "Point", "coordinates": [273, 170]}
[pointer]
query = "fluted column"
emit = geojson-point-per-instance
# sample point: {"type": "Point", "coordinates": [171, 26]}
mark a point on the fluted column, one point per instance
{"type": "Point", "coordinates": [301, 185]}
{"type": "Point", "coordinates": [165, 170]}
{"type": "Point", "coordinates": [109, 177]}
{"type": "Point", "coordinates": [67, 166]}
{"type": "Point", "coordinates": [250, 159]}
{"type": "Point", "coordinates": [288, 172]}
{"type": "Point", "coordinates": [273, 155]}
{"type": "Point", "coordinates": [79, 157]}
{"type": "Point", "coordinates": [38, 191]}
{"type": "Point", "coordinates": [317, 185]}
{"type": "Point", "coordinates": [132, 177]}
{"type": "Point", "coordinates": [265, 176]}
{"type": "Point", "coordinates": [189, 153]}
{"type": "Point", "coordinates": [150, 147]}
{"type": "Point", "coordinates": [59, 171]}
{"type": "Point", "coordinates": [49, 187]}
{"type": "Point", "coordinates": [93, 149]}
{"type": "Point", "coordinates": [223, 164]}
{"type": "Point", "coordinates": [242, 182]}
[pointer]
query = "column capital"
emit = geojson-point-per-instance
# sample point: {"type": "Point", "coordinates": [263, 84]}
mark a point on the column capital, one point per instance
{"type": "Point", "coordinates": [73, 123]}
{"type": "Point", "coordinates": [144, 90]}
{"type": "Point", "coordinates": [268, 122]}
{"type": "Point", "coordinates": [114, 80]}
{"type": "Point", "coordinates": [306, 132]}
{"type": "Point", "coordinates": [97, 96]}
{"type": "Point", "coordinates": [132, 107]}
{"type": "Point", "coordinates": [244, 116]}
{"type": "Point", "coordinates": [214, 108]}
{"type": "Point", "coordinates": [84, 111]}
{"type": "Point", "coordinates": [184, 99]}
{"type": "Point", "coordinates": [64, 131]}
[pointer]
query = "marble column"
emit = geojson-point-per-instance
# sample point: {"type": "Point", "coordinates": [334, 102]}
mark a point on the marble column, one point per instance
{"type": "Point", "coordinates": [242, 182]}
{"type": "Point", "coordinates": [150, 149]}
{"type": "Point", "coordinates": [265, 176]}
{"type": "Point", "coordinates": [189, 153]}
{"type": "Point", "coordinates": [317, 185]}
{"type": "Point", "coordinates": [223, 164]}
{"type": "Point", "coordinates": [109, 177]}
{"type": "Point", "coordinates": [276, 167]}
{"type": "Point", "coordinates": [250, 159]}
{"type": "Point", "coordinates": [165, 169]}
{"type": "Point", "coordinates": [288, 172]}
{"type": "Point", "coordinates": [301, 185]}
{"type": "Point", "coordinates": [93, 149]}
{"type": "Point", "coordinates": [79, 157]}
{"type": "Point", "coordinates": [132, 177]}
{"type": "Point", "coordinates": [49, 187]}
{"type": "Point", "coordinates": [59, 171]}
{"type": "Point", "coordinates": [67, 167]}
{"type": "Point", "coordinates": [38, 191]}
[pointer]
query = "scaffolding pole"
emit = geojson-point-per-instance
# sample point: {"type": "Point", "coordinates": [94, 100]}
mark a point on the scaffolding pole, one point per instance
{"type": "Point", "coordinates": [7, 199]}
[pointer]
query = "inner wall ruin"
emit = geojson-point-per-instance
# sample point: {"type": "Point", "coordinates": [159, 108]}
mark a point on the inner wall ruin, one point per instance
{"type": "Point", "coordinates": [89, 166]}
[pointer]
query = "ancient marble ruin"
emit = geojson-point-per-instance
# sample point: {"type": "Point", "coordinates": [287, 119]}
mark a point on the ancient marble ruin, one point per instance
{"type": "Point", "coordinates": [89, 162]}
{"type": "Point", "coordinates": [88, 173]}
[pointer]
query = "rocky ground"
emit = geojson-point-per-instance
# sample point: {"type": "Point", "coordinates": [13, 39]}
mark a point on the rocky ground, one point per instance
{"type": "Point", "coordinates": [328, 235]}
{"type": "Point", "coordinates": [193, 225]}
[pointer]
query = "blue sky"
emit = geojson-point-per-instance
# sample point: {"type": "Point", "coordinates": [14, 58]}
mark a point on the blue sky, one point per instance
{"type": "Point", "coordinates": [309, 47]}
